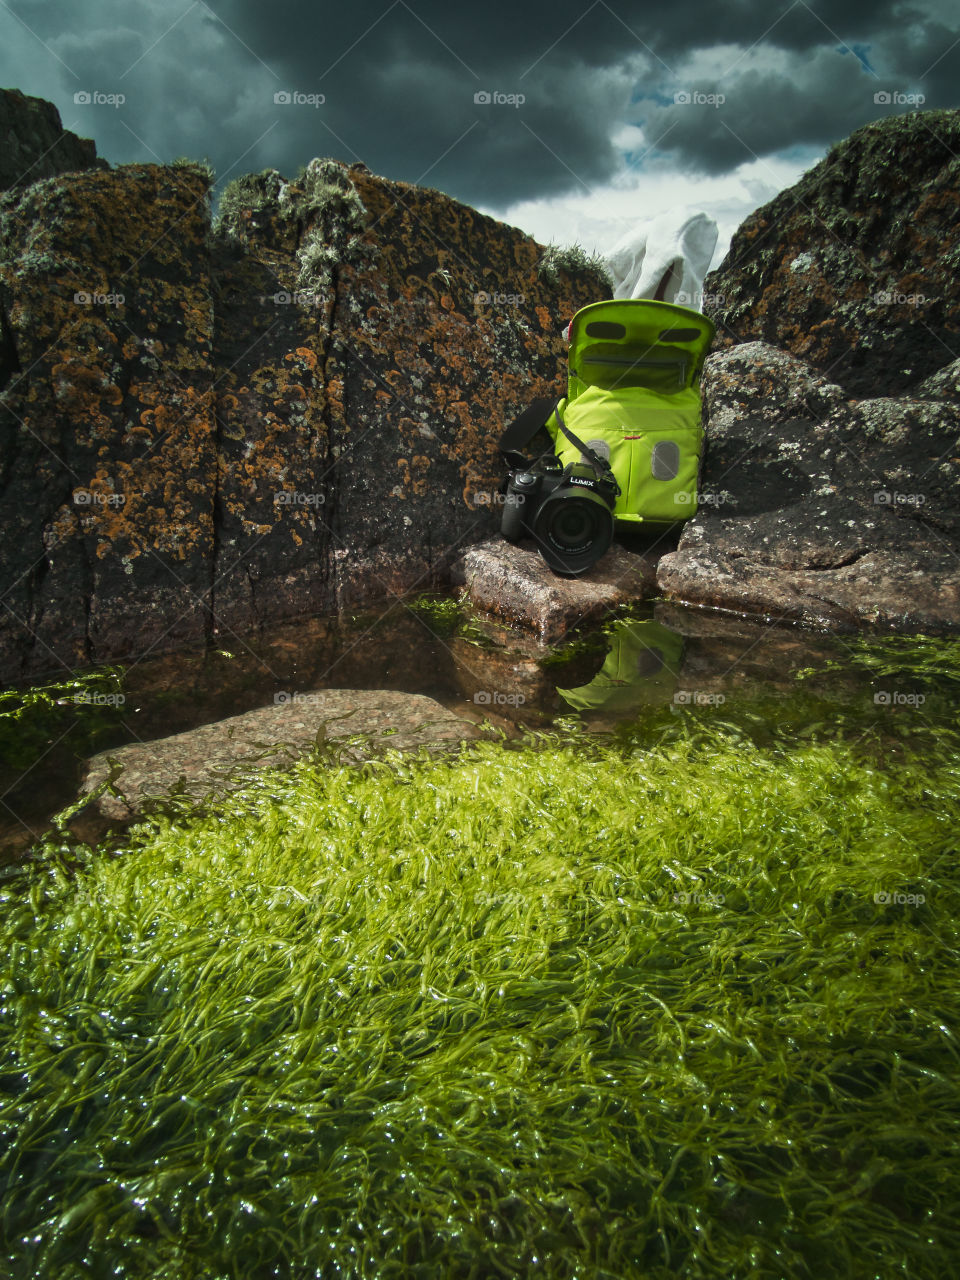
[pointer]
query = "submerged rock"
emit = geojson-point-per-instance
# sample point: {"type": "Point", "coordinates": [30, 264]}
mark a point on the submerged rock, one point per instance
{"type": "Point", "coordinates": [215, 759]}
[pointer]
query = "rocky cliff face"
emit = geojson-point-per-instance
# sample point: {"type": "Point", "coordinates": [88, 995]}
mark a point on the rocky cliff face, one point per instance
{"type": "Point", "coordinates": [205, 430]}
{"type": "Point", "coordinates": [34, 143]}
{"type": "Point", "coordinates": [854, 268]}
{"type": "Point", "coordinates": [830, 491]}
{"type": "Point", "coordinates": [201, 432]}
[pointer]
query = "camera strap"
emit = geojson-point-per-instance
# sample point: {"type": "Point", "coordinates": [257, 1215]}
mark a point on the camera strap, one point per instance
{"type": "Point", "coordinates": [599, 464]}
{"type": "Point", "coordinates": [525, 426]}
{"type": "Point", "coordinates": [522, 429]}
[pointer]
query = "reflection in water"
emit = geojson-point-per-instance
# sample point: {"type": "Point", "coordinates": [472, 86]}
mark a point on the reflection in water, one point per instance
{"type": "Point", "coordinates": [660, 656]}
{"type": "Point", "coordinates": [641, 669]}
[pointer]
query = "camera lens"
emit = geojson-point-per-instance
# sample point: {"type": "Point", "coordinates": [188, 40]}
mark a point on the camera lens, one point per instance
{"type": "Point", "coordinates": [573, 528]}
{"type": "Point", "coordinates": [573, 525]}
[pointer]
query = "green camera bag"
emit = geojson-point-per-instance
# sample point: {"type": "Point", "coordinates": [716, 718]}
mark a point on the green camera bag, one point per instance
{"type": "Point", "coordinates": [633, 398]}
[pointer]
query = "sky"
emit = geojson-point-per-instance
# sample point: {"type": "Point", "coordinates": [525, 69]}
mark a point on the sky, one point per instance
{"type": "Point", "coordinates": [573, 122]}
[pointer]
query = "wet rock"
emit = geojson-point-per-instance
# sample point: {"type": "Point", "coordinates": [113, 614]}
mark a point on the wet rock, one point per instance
{"type": "Point", "coordinates": [502, 679]}
{"type": "Point", "coordinates": [214, 759]}
{"type": "Point", "coordinates": [853, 268]}
{"type": "Point", "coordinates": [818, 508]}
{"type": "Point", "coordinates": [108, 432]}
{"type": "Point", "coordinates": [513, 583]}
{"type": "Point", "coordinates": [828, 563]}
{"type": "Point", "coordinates": [34, 144]}
{"type": "Point", "coordinates": [296, 414]}
{"type": "Point", "coordinates": [742, 655]}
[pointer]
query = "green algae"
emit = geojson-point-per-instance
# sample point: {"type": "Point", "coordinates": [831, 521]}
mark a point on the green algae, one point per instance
{"type": "Point", "coordinates": [76, 711]}
{"type": "Point", "coordinates": [679, 1001]}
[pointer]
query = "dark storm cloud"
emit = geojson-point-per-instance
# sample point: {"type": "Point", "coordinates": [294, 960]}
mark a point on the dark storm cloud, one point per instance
{"type": "Point", "coordinates": [399, 81]}
{"type": "Point", "coordinates": [574, 64]}
{"type": "Point", "coordinates": [725, 120]}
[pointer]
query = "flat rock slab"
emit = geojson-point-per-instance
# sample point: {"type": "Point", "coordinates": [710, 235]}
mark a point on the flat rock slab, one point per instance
{"type": "Point", "coordinates": [835, 513]}
{"type": "Point", "coordinates": [828, 564]}
{"type": "Point", "coordinates": [214, 759]}
{"type": "Point", "coordinates": [514, 583]}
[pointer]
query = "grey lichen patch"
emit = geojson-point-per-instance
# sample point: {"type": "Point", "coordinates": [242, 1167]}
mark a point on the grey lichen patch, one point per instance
{"type": "Point", "coordinates": [321, 185]}
{"type": "Point", "coordinates": [325, 202]}
{"type": "Point", "coordinates": [320, 209]}
{"type": "Point", "coordinates": [574, 260]}
{"type": "Point", "coordinates": [251, 193]}
{"type": "Point", "coordinates": [204, 167]}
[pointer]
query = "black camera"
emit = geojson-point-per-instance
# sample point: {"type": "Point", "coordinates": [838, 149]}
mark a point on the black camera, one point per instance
{"type": "Point", "coordinates": [568, 511]}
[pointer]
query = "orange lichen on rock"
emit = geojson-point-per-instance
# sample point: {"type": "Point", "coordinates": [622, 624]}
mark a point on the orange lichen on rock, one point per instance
{"type": "Point", "coordinates": [188, 400]}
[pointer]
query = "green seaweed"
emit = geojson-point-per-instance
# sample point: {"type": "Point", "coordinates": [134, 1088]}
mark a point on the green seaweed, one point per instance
{"type": "Point", "coordinates": [674, 1004]}
{"type": "Point", "coordinates": [442, 614]}
{"type": "Point", "coordinates": [909, 657]}
{"type": "Point", "coordinates": [75, 711]}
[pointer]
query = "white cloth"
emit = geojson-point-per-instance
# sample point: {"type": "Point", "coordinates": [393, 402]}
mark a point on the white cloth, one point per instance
{"type": "Point", "coordinates": [665, 257]}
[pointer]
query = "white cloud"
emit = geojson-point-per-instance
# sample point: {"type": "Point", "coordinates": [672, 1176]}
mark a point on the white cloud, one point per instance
{"type": "Point", "coordinates": [598, 220]}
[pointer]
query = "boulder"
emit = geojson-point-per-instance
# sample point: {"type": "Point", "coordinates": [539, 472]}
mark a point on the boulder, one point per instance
{"type": "Point", "coordinates": [512, 582]}
{"type": "Point", "coordinates": [34, 144]}
{"type": "Point", "coordinates": [831, 478]}
{"type": "Point", "coordinates": [215, 759]}
{"type": "Point", "coordinates": [820, 508]}
{"type": "Point", "coordinates": [205, 433]}
{"type": "Point", "coordinates": [108, 425]}
{"type": "Point", "coordinates": [854, 268]}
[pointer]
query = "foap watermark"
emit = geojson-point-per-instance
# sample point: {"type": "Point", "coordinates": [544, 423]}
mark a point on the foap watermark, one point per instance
{"type": "Point", "coordinates": [894, 698]}
{"type": "Point", "coordinates": [699, 300]}
{"type": "Point", "coordinates": [493, 498]}
{"type": "Point", "coordinates": [484, 299]}
{"type": "Point", "coordinates": [294, 98]}
{"type": "Point", "coordinates": [494, 98]}
{"type": "Point", "coordinates": [94, 699]}
{"type": "Point", "coordinates": [891, 298]}
{"type": "Point", "coordinates": [512, 898]}
{"type": "Point", "coordinates": [96, 98]}
{"type": "Point", "coordinates": [696, 98]}
{"type": "Point", "coordinates": [894, 98]}
{"type": "Point", "coordinates": [698, 698]}
{"type": "Point", "coordinates": [487, 698]}
{"type": "Point", "coordinates": [287, 698]}
{"type": "Point", "coordinates": [91, 498]}
{"type": "Point", "coordinates": [892, 498]}
{"type": "Point", "coordinates": [299, 298]}
{"type": "Point", "coordinates": [703, 898]}
{"type": "Point", "coordinates": [94, 299]}
{"type": "Point", "coordinates": [896, 898]}
{"type": "Point", "coordinates": [705, 499]}
{"type": "Point", "coordinates": [292, 498]}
